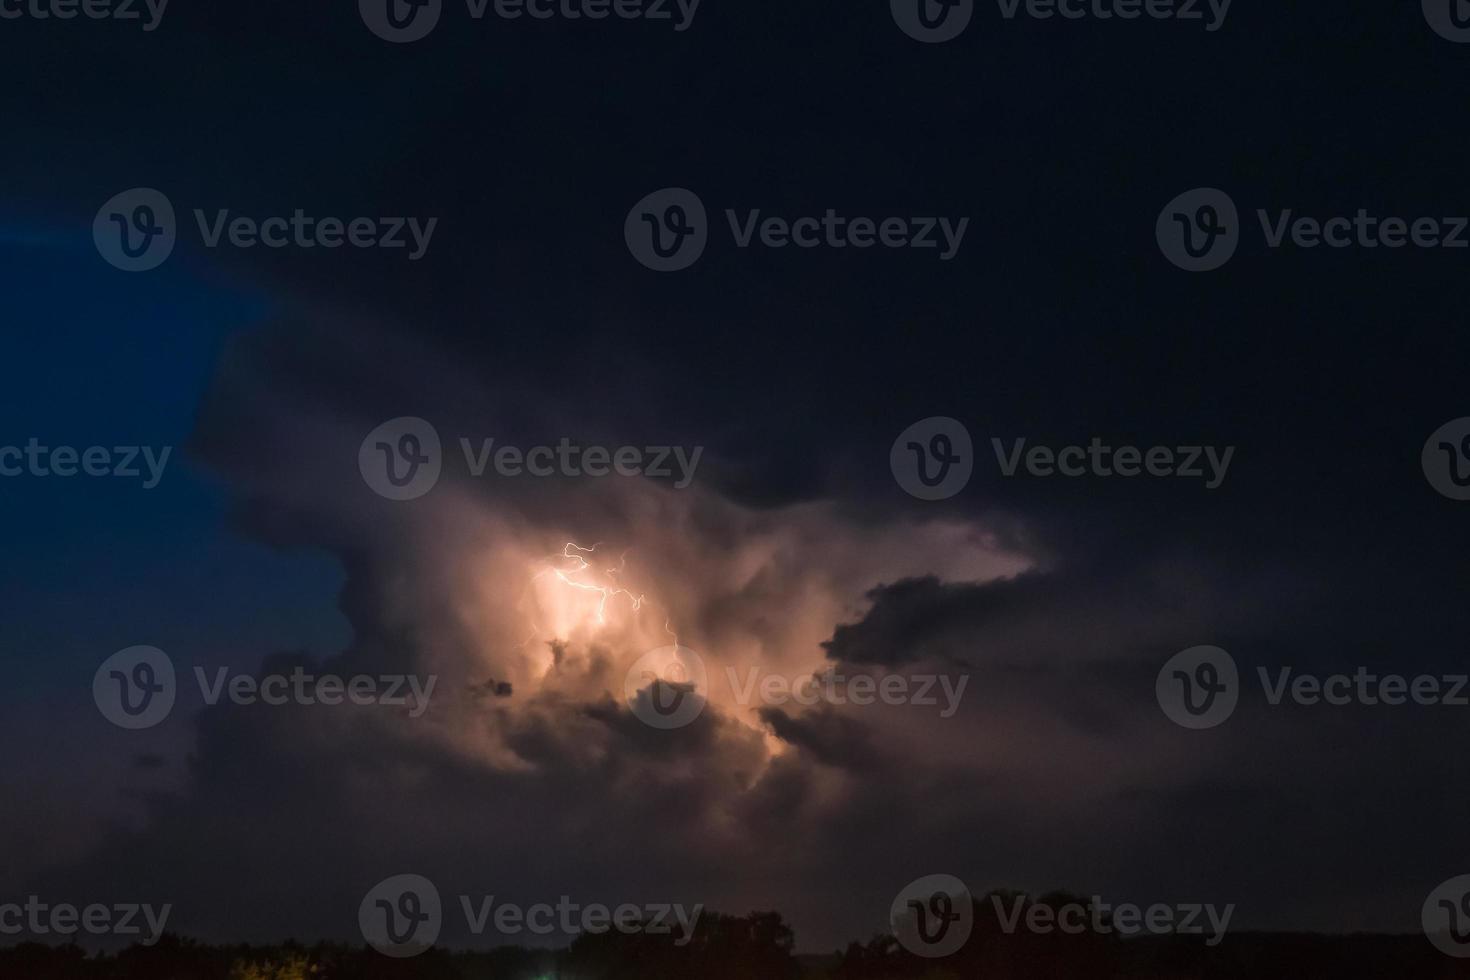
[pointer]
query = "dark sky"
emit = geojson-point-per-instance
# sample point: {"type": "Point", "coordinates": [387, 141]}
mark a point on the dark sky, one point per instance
{"type": "Point", "coordinates": [1059, 320]}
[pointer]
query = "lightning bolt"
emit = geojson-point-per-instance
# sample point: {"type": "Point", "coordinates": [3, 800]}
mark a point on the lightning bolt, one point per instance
{"type": "Point", "coordinates": [575, 553]}
{"type": "Point", "coordinates": [573, 567]}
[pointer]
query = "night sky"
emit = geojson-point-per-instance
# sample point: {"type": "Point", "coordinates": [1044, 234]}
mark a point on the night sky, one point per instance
{"type": "Point", "coordinates": [527, 320]}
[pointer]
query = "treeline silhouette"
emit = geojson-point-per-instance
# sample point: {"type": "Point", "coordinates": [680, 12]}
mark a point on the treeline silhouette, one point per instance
{"type": "Point", "coordinates": [760, 946]}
